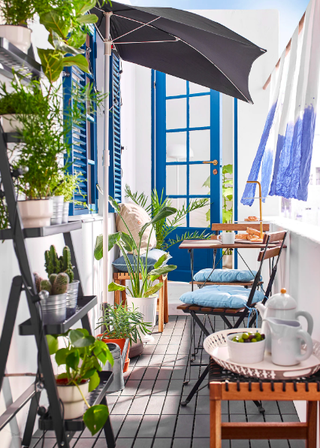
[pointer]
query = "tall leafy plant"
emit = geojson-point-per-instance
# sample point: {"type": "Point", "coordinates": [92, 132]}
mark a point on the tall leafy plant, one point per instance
{"type": "Point", "coordinates": [166, 226]}
{"type": "Point", "coordinates": [141, 281]}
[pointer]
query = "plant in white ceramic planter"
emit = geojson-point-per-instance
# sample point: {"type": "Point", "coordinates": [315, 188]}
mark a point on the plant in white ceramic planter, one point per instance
{"type": "Point", "coordinates": [141, 279]}
{"type": "Point", "coordinates": [81, 358]}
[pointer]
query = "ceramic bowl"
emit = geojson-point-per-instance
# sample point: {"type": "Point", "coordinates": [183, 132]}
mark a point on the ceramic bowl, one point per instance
{"type": "Point", "coordinates": [245, 352]}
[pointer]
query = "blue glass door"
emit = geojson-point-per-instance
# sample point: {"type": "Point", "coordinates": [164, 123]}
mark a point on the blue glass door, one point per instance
{"type": "Point", "coordinates": [187, 135]}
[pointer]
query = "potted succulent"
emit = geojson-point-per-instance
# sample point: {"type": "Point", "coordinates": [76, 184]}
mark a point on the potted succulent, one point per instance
{"type": "Point", "coordinates": [142, 291]}
{"type": "Point", "coordinates": [81, 358]}
{"type": "Point", "coordinates": [53, 292]}
{"type": "Point", "coordinates": [55, 265]}
{"type": "Point", "coordinates": [120, 323]}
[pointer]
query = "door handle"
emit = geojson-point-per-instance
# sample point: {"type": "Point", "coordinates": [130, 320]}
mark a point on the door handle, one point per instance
{"type": "Point", "coordinates": [214, 162]}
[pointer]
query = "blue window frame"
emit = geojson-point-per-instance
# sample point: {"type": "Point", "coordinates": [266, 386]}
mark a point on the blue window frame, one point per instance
{"type": "Point", "coordinates": [115, 129]}
{"type": "Point", "coordinates": [83, 138]}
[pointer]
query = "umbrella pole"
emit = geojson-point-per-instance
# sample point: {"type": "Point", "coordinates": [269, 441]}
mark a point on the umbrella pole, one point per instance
{"type": "Point", "coordinates": [106, 158]}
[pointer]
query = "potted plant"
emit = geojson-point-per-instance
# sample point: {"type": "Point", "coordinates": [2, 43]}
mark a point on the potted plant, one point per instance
{"type": "Point", "coordinates": [81, 358]}
{"type": "Point", "coordinates": [164, 227]}
{"type": "Point", "coordinates": [55, 265]}
{"type": "Point", "coordinates": [53, 292]}
{"type": "Point", "coordinates": [16, 14]}
{"type": "Point", "coordinates": [120, 323]}
{"type": "Point", "coordinates": [141, 291]}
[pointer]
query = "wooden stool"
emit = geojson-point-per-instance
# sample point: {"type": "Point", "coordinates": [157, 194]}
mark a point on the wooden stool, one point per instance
{"type": "Point", "coordinates": [162, 306]}
{"type": "Point", "coordinates": [262, 390]}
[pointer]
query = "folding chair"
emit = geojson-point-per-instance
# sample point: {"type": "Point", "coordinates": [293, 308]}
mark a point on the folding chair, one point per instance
{"type": "Point", "coordinates": [195, 306]}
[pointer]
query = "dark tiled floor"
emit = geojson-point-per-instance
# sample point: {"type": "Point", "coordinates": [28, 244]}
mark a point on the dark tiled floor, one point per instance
{"type": "Point", "coordinates": [147, 413]}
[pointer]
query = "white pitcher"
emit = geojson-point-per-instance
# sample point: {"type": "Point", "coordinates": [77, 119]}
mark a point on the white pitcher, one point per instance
{"type": "Point", "coordinates": [286, 336]}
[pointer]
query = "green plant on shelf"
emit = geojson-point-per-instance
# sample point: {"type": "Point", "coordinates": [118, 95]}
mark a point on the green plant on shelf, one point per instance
{"type": "Point", "coordinates": [82, 357]}
{"type": "Point", "coordinates": [166, 226]}
{"type": "Point", "coordinates": [56, 265]}
{"type": "Point", "coordinates": [122, 322]}
{"type": "Point", "coordinates": [141, 279]}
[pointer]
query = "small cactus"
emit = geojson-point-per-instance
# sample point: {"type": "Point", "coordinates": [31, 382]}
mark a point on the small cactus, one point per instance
{"type": "Point", "coordinates": [66, 265]}
{"type": "Point", "coordinates": [37, 280]}
{"type": "Point", "coordinates": [60, 285]}
{"type": "Point", "coordinates": [52, 262]}
{"type": "Point", "coordinates": [45, 285]}
{"type": "Point", "coordinates": [52, 278]}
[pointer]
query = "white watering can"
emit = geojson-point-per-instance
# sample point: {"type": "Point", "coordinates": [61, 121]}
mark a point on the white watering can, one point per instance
{"type": "Point", "coordinates": [286, 337]}
{"type": "Point", "coordinates": [281, 306]}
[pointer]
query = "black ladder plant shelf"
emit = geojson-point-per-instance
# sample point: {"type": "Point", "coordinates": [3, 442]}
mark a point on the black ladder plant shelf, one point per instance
{"type": "Point", "coordinates": [53, 419]}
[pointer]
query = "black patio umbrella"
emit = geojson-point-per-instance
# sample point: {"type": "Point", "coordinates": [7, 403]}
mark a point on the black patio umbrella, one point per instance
{"type": "Point", "coordinates": [181, 44]}
{"type": "Point", "coordinates": [178, 43]}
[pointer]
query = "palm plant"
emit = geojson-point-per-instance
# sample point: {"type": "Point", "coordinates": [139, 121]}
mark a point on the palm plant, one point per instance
{"type": "Point", "coordinates": [164, 226]}
{"type": "Point", "coordinates": [141, 281]}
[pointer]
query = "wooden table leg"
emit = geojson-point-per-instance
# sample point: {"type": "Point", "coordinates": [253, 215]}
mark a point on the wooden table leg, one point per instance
{"type": "Point", "coordinates": [311, 441]}
{"type": "Point", "coordinates": [166, 304]}
{"type": "Point", "coordinates": [123, 293]}
{"type": "Point", "coordinates": [117, 293]}
{"type": "Point", "coordinates": [161, 307]}
{"type": "Point", "coordinates": [215, 415]}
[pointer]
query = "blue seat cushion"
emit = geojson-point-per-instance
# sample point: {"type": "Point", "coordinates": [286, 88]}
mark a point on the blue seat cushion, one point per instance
{"type": "Point", "coordinates": [224, 275]}
{"type": "Point", "coordinates": [221, 296]}
{"type": "Point", "coordinates": [153, 257]}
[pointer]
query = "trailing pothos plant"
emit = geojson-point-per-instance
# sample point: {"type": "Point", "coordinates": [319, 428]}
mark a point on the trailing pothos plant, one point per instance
{"type": "Point", "coordinates": [81, 358]}
{"type": "Point", "coordinates": [165, 227]}
{"type": "Point", "coordinates": [138, 270]}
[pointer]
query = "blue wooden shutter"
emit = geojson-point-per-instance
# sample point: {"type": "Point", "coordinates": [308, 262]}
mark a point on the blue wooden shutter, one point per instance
{"type": "Point", "coordinates": [114, 129]}
{"type": "Point", "coordinates": [83, 137]}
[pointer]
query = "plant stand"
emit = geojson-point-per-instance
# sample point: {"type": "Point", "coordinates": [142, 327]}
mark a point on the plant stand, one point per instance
{"type": "Point", "coordinates": [53, 419]}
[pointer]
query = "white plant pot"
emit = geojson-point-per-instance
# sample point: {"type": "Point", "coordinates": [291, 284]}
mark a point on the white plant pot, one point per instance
{"type": "Point", "coordinates": [10, 123]}
{"type": "Point", "coordinates": [227, 261]}
{"type": "Point", "coordinates": [36, 212]}
{"type": "Point", "coordinates": [146, 305]}
{"type": "Point", "coordinates": [65, 212]}
{"type": "Point", "coordinates": [19, 36]}
{"type": "Point", "coordinates": [72, 400]}
{"type": "Point", "coordinates": [58, 202]}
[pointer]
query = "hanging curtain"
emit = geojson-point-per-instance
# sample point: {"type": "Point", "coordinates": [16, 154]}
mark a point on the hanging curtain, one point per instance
{"type": "Point", "coordinates": [285, 150]}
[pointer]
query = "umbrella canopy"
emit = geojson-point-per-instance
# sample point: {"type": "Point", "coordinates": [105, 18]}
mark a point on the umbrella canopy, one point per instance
{"type": "Point", "coordinates": [181, 44]}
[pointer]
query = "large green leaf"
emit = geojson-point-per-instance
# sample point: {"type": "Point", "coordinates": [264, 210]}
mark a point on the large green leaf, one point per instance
{"type": "Point", "coordinates": [95, 418]}
{"type": "Point", "coordinates": [155, 273]}
{"type": "Point", "coordinates": [94, 381]}
{"type": "Point", "coordinates": [128, 241]}
{"type": "Point", "coordinates": [161, 260]}
{"type": "Point", "coordinates": [83, 6]}
{"type": "Point", "coordinates": [77, 38]}
{"type": "Point", "coordinates": [72, 360]}
{"type": "Point", "coordinates": [227, 192]}
{"type": "Point", "coordinates": [53, 344]}
{"type": "Point", "coordinates": [153, 290]}
{"type": "Point", "coordinates": [163, 213]}
{"type": "Point", "coordinates": [87, 19]}
{"type": "Point", "coordinates": [114, 204]}
{"type": "Point", "coordinates": [78, 60]}
{"type": "Point", "coordinates": [57, 22]}
{"type": "Point", "coordinates": [227, 169]}
{"type": "Point", "coordinates": [61, 356]}
{"type": "Point", "coordinates": [52, 63]}
{"type": "Point", "coordinates": [115, 287]}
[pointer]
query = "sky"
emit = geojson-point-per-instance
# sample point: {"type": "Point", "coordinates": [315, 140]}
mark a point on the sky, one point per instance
{"type": "Point", "coordinates": [290, 11]}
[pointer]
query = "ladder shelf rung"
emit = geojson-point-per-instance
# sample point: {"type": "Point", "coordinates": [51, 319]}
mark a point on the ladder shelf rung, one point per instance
{"type": "Point", "coordinates": [85, 304]}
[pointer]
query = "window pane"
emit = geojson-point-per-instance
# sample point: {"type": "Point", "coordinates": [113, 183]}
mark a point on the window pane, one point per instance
{"type": "Point", "coordinates": [196, 88]}
{"type": "Point", "coordinates": [200, 217]}
{"type": "Point", "coordinates": [175, 86]}
{"type": "Point", "coordinates": [199, 175]}
{"type": "Point", "coordinates": [178, 204]}
{"type": "Point", "coordinates": [176, 146]}
{"type": "Point", "coordinates": [176, 113]}
{"type": "Point", "coordinates": [176, 180]}
{"type": "Point", "coordinates": [200, 111]}
{"type": "Point", "coordinates": [200, 145]}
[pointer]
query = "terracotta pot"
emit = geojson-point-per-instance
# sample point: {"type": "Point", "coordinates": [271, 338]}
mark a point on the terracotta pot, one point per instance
{"type": "Point", "coordinates": [121, 343]}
